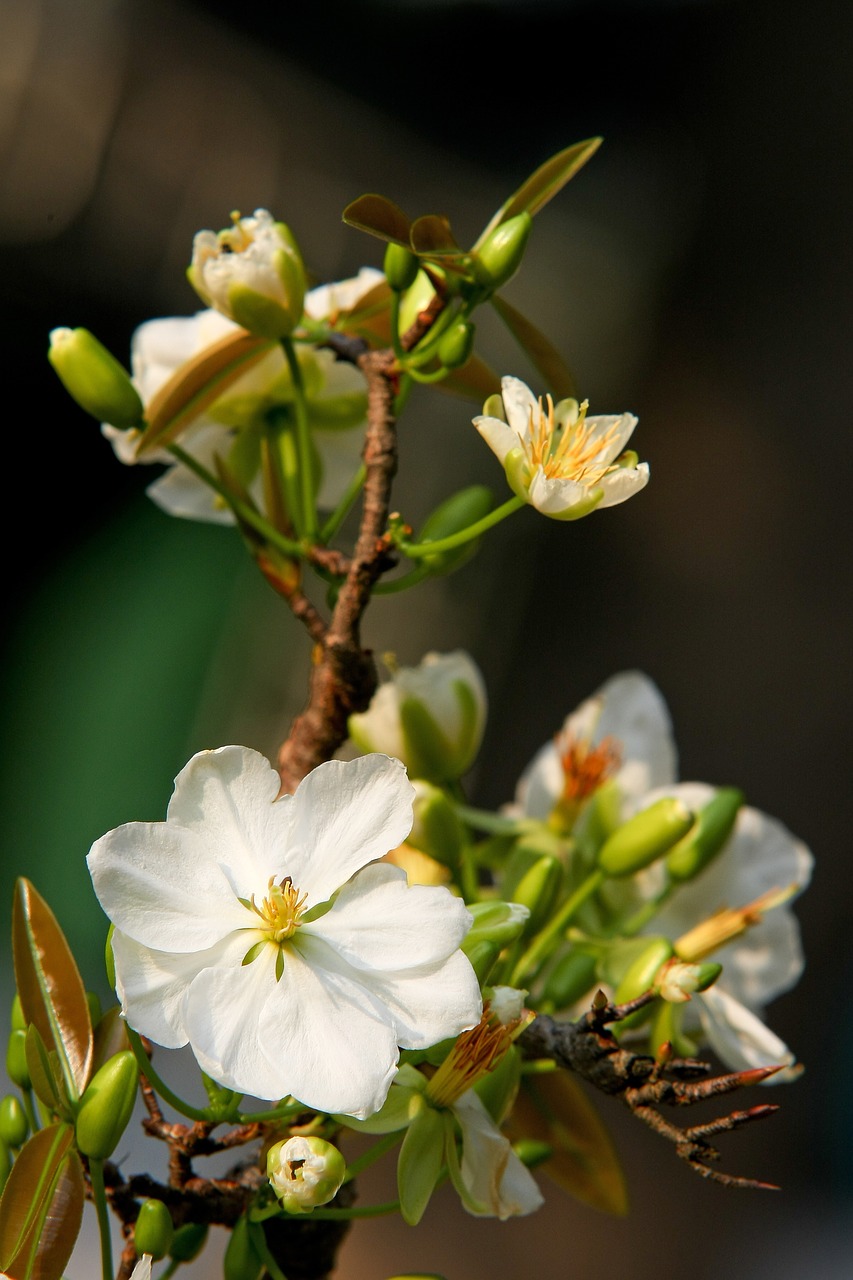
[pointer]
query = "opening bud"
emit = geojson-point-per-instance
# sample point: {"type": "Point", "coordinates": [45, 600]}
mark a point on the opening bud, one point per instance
{"type": "Point", "coordinates": [106, 1107]}
{"type": "Point", "coordinates": [714, 824]}
{"type": "Point", "coordinates": [94, 378]}
{"type": "Point", "coordinates": [499, 257]}
{"type": "Point", "coordinates": [154, 1230]}
{"type": "Point", "coordinates": [305, 1172]}
{"type": "Point", "coordinates": [678, 980]}
{"type": "Point", "coordinates": [570, 979]}
{"type": "Point", "coordinates": [646, 837]}
{"type": "Point", "coordinates": [401, 267]}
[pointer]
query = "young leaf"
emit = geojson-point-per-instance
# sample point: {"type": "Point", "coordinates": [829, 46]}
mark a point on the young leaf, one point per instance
{"type": "Point", "coordinates": [556, 373]}
{"type": "Point", "coordinates": [45, 1072]}
{"type": "Point", "coordinates": [379, 216]}
{"type": "Point", "coordinates": [41, 1208]}
{"type": "Point", "coordinates": [431, 235]}
{"type": "Point", "coordinates": [554, 1108]}
{"type": "Point", "coordinates": [50, 986]}
{"type": "Point", "coordinates": [544, 183]}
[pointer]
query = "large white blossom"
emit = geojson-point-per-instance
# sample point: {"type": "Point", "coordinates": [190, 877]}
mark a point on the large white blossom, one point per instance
{"type": "Point", "coordinates": [562, 462]}
{"type": "Point", "coordinates": [253, 929]}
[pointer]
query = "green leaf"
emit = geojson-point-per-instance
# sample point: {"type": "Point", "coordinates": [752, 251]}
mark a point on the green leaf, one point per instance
{"type": "Point", "coordinates": [546, 358]}
{"type": "Point", "coordinates": [432, 237]}
{"type": "Point", "coordinates": [544, 183]}
{"type": "Point", "coordinates": [52, 994]}
{"type": "Point", "coordinates": [379, 216]}
{"type": "Point", "coordinates": [45, 1072]}
{"type": "Point", "coordinates": [554, 1108]}
{"type": "Point", "coordinates": [41, 1208]}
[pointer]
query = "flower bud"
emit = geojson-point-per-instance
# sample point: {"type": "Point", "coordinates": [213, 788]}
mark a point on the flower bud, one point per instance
{"type": "Point", "coordinates": [539, 890]}
{"type": "Point", "coordinates": [16, 1060]}
{"type": "Point", "coordinates": [455, 346]}
{"type": "Point", "coordinates": [678, 979]}
{"type": "Point", "coordinates": [106, 1106]}
{"type": "Point", "coordinates": [401, 266]}
{"type": "Point", "coordinates": [482, 956]}
{"type": "Point", "coordinates": [495, 921]}
{"type": "Point", "coordinates": [305, 1172]}
{"type": "Point", "coordinates": [19, 1022]}
{"type": "Point", "coordinates": [645, 837]}
{"type": "Point", "coordinates": [153, 1230]}
{"type": "Point", "coordinates": [188, 1241]}
{"type": "Point", "coordinates": [93, 1001]}
{"type": "Point", "coordinates": [14, 1125]}
{"type": "Point", "coordinates": [456, 513]}
{"type": "Point", "coordinates": [109, 958]}
{"type": "Point", "coordinates": [571, 978]}
{"type": "Point", "coordinates": [500, 256]}
{"type": "Point", "coordinates": [94, 378]}
{"type": "Point", "coordinates": [640, 976]}
{"type": "Point", "coordinates": [437, 829]}
{"type": "Point", "coordinates": [431, 717]}
{"type": "Point", "coordinates": [240, 1260]}
{"type": "Point", "coordinates": [252, 272]}
{"type": "Point", "coordinates": [714, 824]}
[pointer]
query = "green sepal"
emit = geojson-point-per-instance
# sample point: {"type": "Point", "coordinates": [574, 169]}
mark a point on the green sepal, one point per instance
{"type": "Point", "coordinates": [419, 1163]}
{"type": "Point", "coordinates": [261, 315]}
{"type": "Point", "coordinates": [241, 1260]}
{"type": "Point", "coordinates": [188, 1241]}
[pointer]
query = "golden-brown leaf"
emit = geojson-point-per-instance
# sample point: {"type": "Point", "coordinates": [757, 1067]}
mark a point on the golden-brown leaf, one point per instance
{"type": "Point", "coordinates": [41, 1208]}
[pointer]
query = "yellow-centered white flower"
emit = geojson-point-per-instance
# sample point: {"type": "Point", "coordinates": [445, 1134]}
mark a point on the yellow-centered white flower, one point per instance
{"type": "Point", "coordinates": [253, 929]}
{"type": "Point", "coordinates": [252, 272]}
{"type": "Point", "coordinates": [558, 459]}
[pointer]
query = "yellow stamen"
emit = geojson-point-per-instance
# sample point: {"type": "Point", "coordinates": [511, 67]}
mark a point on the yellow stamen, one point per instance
{"type": "Point", "coordinates": [280, 910]}
{"type": "Point", "coordinates": [568, 452]}
{"type": "Point", "coordinates": [475, 1054]}
{"type": "Point", "coordinates": [729, 923]}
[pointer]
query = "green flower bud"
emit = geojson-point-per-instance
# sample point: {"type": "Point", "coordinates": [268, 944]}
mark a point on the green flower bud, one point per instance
{"type": "Point", "coordinates": [437, 830]}
{"type": "Point", "coordinates": [640, 977]}
{"type": "Point", "coordinates": [495, 921]}
{"type": "Point", "coordinates": [531, 1152]}
{"type": "Point", "coordinates": [94, 378]}
{"type": "Point", "coordinates": [456, 513]}
{"type": "Point", "coordinates": [106, 1106]}
{"type": "Point", "coordinates": [240, 1261]}
{"type": "Point", "coordinates": [419, 1162]}
{"type": "Point", "coordinates": [500, 256]}
{"type": "Point", "coordinates": [646, 837]}
{"type": "Point", "coordinates": [14, 1125]}
{"type": "Point", "coordinates": [570, 979]}
{"type": "Point", "coordinates": [153, 1230]}
{"type": "Point", "coordinates": [401, 267]}
{"type": "Point", "coordinates": [16, 1060]}
{"type": "Point", "coordinates": [19, 1022]}
{"type": "Point", "coordinates": [714, 824]}
{"type": "Point", "coordinates": [305, 1172]}
{"type": "Point", "coordinates": [188, 1241]}
{"type": "Point", "coordinates": [539, 891]}
{"type": "Point", "coordinates": [483, 957]}
{"type": "Point", "coordinates": [455, 346]}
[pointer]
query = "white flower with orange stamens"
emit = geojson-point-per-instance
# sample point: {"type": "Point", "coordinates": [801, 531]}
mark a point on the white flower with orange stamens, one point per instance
{"type": "Point", "coordinates": [562, 462]}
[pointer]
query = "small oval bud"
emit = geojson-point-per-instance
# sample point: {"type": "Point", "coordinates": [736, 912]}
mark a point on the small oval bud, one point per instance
{"type": "Point", "coordinates": [646, 837]}
{"type": "Point", "coordinates": [455, 346]}
{"type": "Point", "coordinates": [94, 378]}
{"type": "Point", "coordinates": [240, 1261]}
{"type": "Point", "coordinates": [500, 256]}
{"type": "Point", "coordinates": [640, 976]}
{"type": "Point", "coordinates": [539, 890]}
{"type": "Point", "coordinates": [107, 1105]}
{"type": "Point", "coordinates": [305, 1172]}
{"type": "Point", "coordinates": [19, 1022]}
{"type": "Point", "coordinates": [16, 1060]}
{"type": "Point", "coordinates": [153, 1230]}
{"type": "Point", "coordinates": [188, 1241]}
{"type": "Point", "coordinates": [714, 824]}
{"type": "Point", "coordinates": [456, 513]}
{"type": "Point", "coordinates": [570, 979]}
{"type": "Point", "coordinates": [401, 266]}
{"type": "Point", "coordinates": [14, 1125]}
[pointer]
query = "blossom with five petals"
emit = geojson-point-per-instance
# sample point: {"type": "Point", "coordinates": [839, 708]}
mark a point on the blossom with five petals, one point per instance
{"type": "Point", "coordinates": [253, 929]}
{"type": "Point", "coordinates": [559, 460]}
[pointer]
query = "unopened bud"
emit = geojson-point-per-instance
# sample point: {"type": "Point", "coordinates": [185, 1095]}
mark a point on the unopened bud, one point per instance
{"type": "Point", "coordinates": [153, 1230]}
{"type": "Point", "coordinates": [16, 1060]}
{"type": "Point", "coordinates": [495, 921]}
{"type": "Point", "coordinates": [94, 378]}
{"type": "Point", "coordinates": [19, 1022]}
{"type": "Point", "coordinates": [640, 977]}
{"type": "Point", "coordinates": [188, 1241]}
{"type": "Point", "coordinates": [455, 346]}
{"type": "Point", "coordinates": [482, 956]}
{"type": "Point", "coordinates": [401, 266]}
{"type": "Point", "coordinates": [305, 1172]}
{"type": "Point", "coordinates": [500, 256]}
{"type": "Point", "coordinates": [571, 978]}
{"type": "Point", "coordinates": [14, 1125]}
{"type": "Point", "coordinates": [437, 829]}
{"type": "Point", "coordinates": [646, 837]}
{"type": "Point", "coordinates": [106, 1106]}
{"type": "Point", "coordinates": [539, 890]}
{"type": "Point", "coordinates": [714, 824]}
{"type": "Point", "coordinates": [240, 1260]}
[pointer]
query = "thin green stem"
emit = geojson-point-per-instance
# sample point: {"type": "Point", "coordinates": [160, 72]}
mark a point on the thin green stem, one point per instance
{"type": "Point", "coordinates": [403, 583]}
{"type": "Point", "coordinates": [283, 452]}
{"type": "Point", "coordinates": [541, 944]}
{"type": "Point", "coordinates": [437, 375]}
{"type": "Point", "coordinates": [30, 1110]}
{"type": "Point", "coordinates": [416, 550]}
{"type": "Point", "coordinates": [303, 441]}
{"type": "Point", "coordinates": [401, 399]}
{"type": "Point", "coordinates": [145, 1065]}
{"type": "Point", "coordinates": [646, 913]}
{"type": "Point", "coordinates": [170, 1270]}
{"type": "Point", "coordinates": [288, 1112]}
{"type": "Point", "coordinates": [259, 1243]}
{"type": "Point", "coordinates": [370, 1156]}
{"type": "Point", "coordinates": [493, 823]}
{"type": "Point", "coordinates": [99, 1195]}
{"type": "Point", "coordinates": [401, 355]}
{"type": "Point", "coordinates": [342, 510]}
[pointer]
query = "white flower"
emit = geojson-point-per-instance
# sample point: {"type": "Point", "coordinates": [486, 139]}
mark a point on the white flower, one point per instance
{"type": "Point", "coordinates": [142, 1270]}
{"type": "Point", "coordinates": [305, 1172]}
{"type": "Point", "coordinates": [252, 272]}
{"type": "Point", "coordinates": [232, 425]}
{"type": "Point", "coordinates": [498, 1184]}
{"type": "Point", "coordinates": [254, 929]}
{"type": "Point", "coordinates": [623, 732]}
{"type": "Point", "coordinates": [559, 460]}
{"type": "Point", "coordinates": [431, 716]}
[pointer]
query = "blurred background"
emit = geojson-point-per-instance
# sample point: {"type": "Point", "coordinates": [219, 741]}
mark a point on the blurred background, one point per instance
{"type": "Point", "coordinates": [698, 272]}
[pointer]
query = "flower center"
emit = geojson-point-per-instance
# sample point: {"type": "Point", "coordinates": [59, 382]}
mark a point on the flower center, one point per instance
{"type": "Point", "coordinates": [474, 1055]}
{"type": "Point", "coordinates": [236, 239]}
{"type": "Point", "coordinates": [279, 916]}
{"type": "Point", "coordinates": [567, 451]}
{"type": "Point", "coordinates": [585, 769]}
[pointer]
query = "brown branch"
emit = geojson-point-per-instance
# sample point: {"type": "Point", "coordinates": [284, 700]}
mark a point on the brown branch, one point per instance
{"type": "Point", "coordinates": [644, 1083]}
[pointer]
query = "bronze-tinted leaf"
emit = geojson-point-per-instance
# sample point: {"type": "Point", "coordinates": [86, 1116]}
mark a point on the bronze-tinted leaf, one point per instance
{"type": "Point", "coordinates": [379, 216]}
{"type": "Point", "coordinates": [550, 364]}
{"type": "Point", "coordinates": [110, 1037]}
{"type": "Point", "coordinates": [554, 1108]}
{"type": "Point", "coordinates": [544, 183]}
{"type": "Point", "coordinates": [431, 235]}
{"type": "Point", "coordinates": [50, 986]}
{"type": "Point", "coordinates": [41, 1208]}
{"type": "Point", "coordinates": [196, 384]}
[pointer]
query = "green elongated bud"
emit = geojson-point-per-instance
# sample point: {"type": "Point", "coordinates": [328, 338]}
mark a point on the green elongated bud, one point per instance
{"type": "Point", "coordinates": [188, 1241]}
{"type": "Point", "coordinates": [437, 829]}
{"type": "Point", "coordinates": [19, 1022]}
{"type": "Point", "coordinates": [646, 837]}
{"type": "Point", "coordinates": [714, 824]}
{"type": "Point", "coordinates": [16, 1060]}
{"type": "Point", "coordinates": [571, 978]}
{"type": "Point", "coordinates": [14, 1125]}
{"type": "Point", "coordinates": [240, 1261]}
{"type": "Point", "coordinates": [153, 1230]}
{"type": "Point", "coordinates": [106, 1106]}
{"type": "Point", "coordinates": [526, 853]}
{"type": "Point", "coordinates": [639, 977]}
{"type": "Point", "coordinates": [455, 346]}
{"type": "Point", "coordinates": [94, 378]}
{"type": "Point", "coordinates": [666, 1029]}
{"type": "Point", "coordinates": [531, 1152]}
{"type": "Point", "coordinates": [539, 890]}
{"type": "Point", "coordinates": [500, 255]}
{"type": "Point", "coordinates": [483, 957]}
{"type": "Point", "coordinates": [419, 1162]}
{"type": "Point", "coordinates": [456, 513]}
{"type": "Point", "coordinates": [495, 921]}
{"type": "Point", "coordinates": [401, 266]}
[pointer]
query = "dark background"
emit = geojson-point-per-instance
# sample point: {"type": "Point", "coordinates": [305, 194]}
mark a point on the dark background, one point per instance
{"type": "Point", "coordinates": [698, 272]}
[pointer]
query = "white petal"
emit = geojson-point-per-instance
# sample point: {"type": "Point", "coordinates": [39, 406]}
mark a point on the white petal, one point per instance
{"type": "Point", "coordinates": [341, 295]}
{"type": "Point", "coordinates": [346, 813]}
{"type": "Point", "coordinates": [380, 922]}
{"type": "Point", "coordinates": [158, 883]}
{"type": "Point", "coordinates": [142, 1270]}
{"type": "Point", "coordinates": [500, 438]}
{"type": "Point", "coordinates": [620, 424]}
{"type": "Point", "coordinates": [180, 493]}
{"type": "Point", "coordinates": [491, 1170]}
{"type": "Point", "coordinates": [519, 403]}
{"type": "Point", "coordinates": [633, 711]}
{"type": "Point", "coordinates": [541, 783]}
{"type": "Point", "coordinates": [554, 497]}
{"type": "Point", "coordinates": [622, 484]}
{"type": "Point", "coordinates": [740, 1039]}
